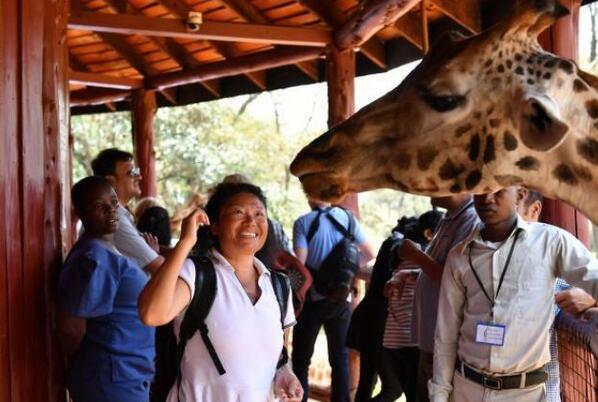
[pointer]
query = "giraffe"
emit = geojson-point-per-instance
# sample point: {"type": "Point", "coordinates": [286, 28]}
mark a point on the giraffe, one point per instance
{"type": "Point", "coordinates": [478, 114]}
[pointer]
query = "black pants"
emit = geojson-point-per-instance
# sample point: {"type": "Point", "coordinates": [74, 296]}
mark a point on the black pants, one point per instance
{"type": "Point", "coordinates": [335, 319]}
{"type": "Point", "coordinates": [377, 362]}
{"type": "Point", "coordinates": [405, 364]}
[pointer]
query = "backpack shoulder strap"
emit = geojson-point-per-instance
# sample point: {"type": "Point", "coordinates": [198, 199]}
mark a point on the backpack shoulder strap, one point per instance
{"type": "Point", "coordinates": [315, 225]}
{"type": "Point", "coordinates": [199, 307]}
{"type": "Point", "coordinates": [282, 288]}
{"type": "Point", "coordinates": [348, 233]}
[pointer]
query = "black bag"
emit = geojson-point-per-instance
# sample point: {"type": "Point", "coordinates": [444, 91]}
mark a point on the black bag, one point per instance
{"type": "Point", "coordinates": [334, 277]}
{"type": "Point", "coordinates": [170, 353]}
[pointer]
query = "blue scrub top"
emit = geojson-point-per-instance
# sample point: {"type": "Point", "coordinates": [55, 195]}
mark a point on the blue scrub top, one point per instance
{"type": "Point", "coordinates": [101, 286]}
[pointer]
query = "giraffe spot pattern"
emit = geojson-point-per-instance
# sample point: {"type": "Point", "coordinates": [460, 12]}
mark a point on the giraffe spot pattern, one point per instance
{"type": "Point", "coordinates": [450, 170]}
{"type": "Point", "coordinates": [588, 149]}
{"type": "Point", "coordinates": [592, 108]}
{"type": "Point", "coordinates": [547, 76]}
{"type": "Point", "coordinates": [490, 151]}
{"type": "Point", "coordinates": [566, 66]}
{"type": "Point", "coordinates": [508, 180]}
{"type": "Point", "coordinates": [473, 179]}
{"type": "Point", "coordinates": [528, 163]}
{"type": "Point", "coordinates": [425, 157]}
{"type": "Point", "coordinates": [403, 160]}
{"type": "Point", "coordinates": [579, 85]}
{"type": "Point", "coordinates": [455, 188]}
{"type": "Point", "coordinates": [462, 130]}
{"type": "Point", "coordinates": [474, 147]}
{"type": "Point", "coordinates": [551, 63]}
{"type": "Point", "coordinates": [519, 70]}
{"type": "Point", "coordinates": [564, 174]}
{"type": "Point", "coordinates": [583, 172]}
{"type": "Point", "coordinates": [510, 141]}
{"type": "Point", "coordinates": [494, 123]}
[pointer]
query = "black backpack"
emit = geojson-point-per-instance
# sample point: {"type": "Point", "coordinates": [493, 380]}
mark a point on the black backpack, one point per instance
{"type": "Point", "coordinates": [334, 277]}
{"type": "Point", "coordinates": [170, 353]}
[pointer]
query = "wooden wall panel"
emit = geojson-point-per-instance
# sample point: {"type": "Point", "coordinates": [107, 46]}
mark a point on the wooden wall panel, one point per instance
{"type": "Point", "coordinates": [33, 202]}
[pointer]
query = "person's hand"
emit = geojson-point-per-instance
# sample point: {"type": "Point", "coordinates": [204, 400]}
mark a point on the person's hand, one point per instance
{"type": "Point", "coordinates": [574, 300]}
{"type": "Point", "coordinates": [287, 386]}
{"type": "Point", "coordinates": [408, 250]}
{"type": "Point", "coordinates": [193, 222]}
{"type": "Point", "coordinates": [152, 241]}
{"type": "Point", "coordinates": [394, 287]}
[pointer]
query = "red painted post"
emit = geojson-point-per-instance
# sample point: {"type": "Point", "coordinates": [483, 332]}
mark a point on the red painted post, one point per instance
{"type": "Point", "coordinates": [340, 74]}
{"type": "Point", "coordinates": [562, 39]}
{"type": "Point", "coordinates": [143, 105]}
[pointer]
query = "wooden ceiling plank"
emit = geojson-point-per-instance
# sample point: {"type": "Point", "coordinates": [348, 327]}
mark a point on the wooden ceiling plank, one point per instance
{"type": "Point", "coordinates": [103, 80]}
{"type": "Point", "coordinates": [465, 12]}
{"type": "Point", "coordinates": [410, 27]}
{"type": "Point", "coordinates": [370, 17]}
{"type": "Point", "coordinates": [253, 62]}
{"type": "Point", "coordinates": [373, 49]}
{"type": "Point", "coordinates": [97, 96]}
{"type": "Point", "coordinates": [211, 30]}
{"type": "Point", "coordinates": [250, 13]}
{"type": "Point", "coordinates": [310, 68]}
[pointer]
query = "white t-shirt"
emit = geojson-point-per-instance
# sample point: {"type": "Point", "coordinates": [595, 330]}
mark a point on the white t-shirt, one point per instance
{"type": "Point", "coordinates": [248, 339]}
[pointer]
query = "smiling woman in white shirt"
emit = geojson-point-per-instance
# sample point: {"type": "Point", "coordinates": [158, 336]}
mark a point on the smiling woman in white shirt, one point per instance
{"type": "Point", "coordinates": [496, 302]}
{"type": "Point", "coordinates": [244, 320]}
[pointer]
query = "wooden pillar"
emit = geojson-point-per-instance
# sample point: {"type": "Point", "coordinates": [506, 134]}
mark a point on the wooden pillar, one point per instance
{"type": "Point", "coordinates": [340, 74]}
{"type": "Point", "coordinates": [562, 39]}
{"type": "Point", "coordinates": [143, 106]}
{"type": "Point", "coordinates": [34, 202]}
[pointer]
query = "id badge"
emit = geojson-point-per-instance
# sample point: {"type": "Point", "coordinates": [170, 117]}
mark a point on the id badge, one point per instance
{"type": "Point", "coordinates": [490, 334]}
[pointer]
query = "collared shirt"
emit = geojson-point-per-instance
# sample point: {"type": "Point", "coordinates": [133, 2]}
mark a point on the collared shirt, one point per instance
{"type": "Point", "coordinates": [524, 305]}
{"type": "Point", "coordinates": [129, 241]}
{"type": "Point", "coordinates": [553, 383]}
{"type": "Point", "coordinates": [102, 286]}
{"type": "Point", "coordinates": [247, 337]}
{"type": "Point", "coordinates": [453, 228]}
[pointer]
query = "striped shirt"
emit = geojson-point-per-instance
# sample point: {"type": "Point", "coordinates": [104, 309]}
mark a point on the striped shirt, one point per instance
{"type": "Point", "coordinates": [401, 319]}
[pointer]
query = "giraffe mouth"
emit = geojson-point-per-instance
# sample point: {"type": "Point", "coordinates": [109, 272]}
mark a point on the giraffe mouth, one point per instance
{"type": "Point", "coordinates": [324, 186]}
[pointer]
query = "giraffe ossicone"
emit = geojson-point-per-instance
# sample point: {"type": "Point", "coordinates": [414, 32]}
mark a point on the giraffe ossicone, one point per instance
{"type": "Point", "coordinates": [478, 114]}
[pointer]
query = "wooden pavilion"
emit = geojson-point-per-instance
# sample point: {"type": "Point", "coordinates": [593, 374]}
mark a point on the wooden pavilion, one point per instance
{"type": "Point", "coordinates": [61, 57]}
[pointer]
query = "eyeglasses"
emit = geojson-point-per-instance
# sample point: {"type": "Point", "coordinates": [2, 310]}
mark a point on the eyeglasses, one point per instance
{"type": "Point", "coordinates": [135, 172]}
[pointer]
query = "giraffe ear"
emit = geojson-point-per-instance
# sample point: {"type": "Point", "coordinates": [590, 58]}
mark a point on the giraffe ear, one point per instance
{"type": "Point", "coordinates": [541, 128]}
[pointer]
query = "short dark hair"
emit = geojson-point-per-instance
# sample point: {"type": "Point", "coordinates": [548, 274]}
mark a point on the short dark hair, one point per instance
{"type": "Point", "coordinates": [83, 187]}
{"type": "Point", "coordinates": [430, 219]}
{"type": "Point", "coordinates": [532, 196]}
{"type": "Point", "coordinates": [155, 220]}
{"type": "Point", "coordinates": [225, 191]}
{"type": "Point", "coordinates": [105, 163]}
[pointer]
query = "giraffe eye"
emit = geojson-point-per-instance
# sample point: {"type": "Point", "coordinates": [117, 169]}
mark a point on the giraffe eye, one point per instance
{"type": "Point", "coordinates": [444, 103]}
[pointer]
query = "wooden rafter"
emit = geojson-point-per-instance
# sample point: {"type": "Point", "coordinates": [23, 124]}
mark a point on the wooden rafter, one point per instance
{"type": "Point", "coordinates": [371, 16]}
{"type": "Point", "coordinates": [410, 27]}
{"type": "Point", "coordinates": [210, 30]}
{"type": "Point", "coordinates": [103, 80]}
{"type": "Point", "coordinates": [372, 49]}
{"type": "Point", "coordinates": [97, 96]}
{"type": "Point", "coordinates": [465, 12]}
{"type": "Point", "coordinates": [253, 62]}
{"type": "Point", "coordinates": [180, 10]}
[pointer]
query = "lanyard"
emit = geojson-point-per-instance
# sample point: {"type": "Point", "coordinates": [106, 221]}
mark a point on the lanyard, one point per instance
{"type": "Point", "coordinates": [502, 276]}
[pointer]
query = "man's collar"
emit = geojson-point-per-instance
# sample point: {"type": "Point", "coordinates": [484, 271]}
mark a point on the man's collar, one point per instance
{"type": "Point", "coordinates": [476, 236]}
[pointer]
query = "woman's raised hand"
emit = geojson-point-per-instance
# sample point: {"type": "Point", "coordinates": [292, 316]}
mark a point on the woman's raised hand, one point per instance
{"type": "Point", "coordinates": [193, 222]}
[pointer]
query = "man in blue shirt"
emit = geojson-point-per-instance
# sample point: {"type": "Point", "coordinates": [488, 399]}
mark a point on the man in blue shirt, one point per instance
{"type": "Point", "coordinates": [318, 310]}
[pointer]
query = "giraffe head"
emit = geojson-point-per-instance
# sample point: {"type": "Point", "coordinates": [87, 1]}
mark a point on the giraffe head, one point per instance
{"type": "Point", "coordinates": [477, 114]}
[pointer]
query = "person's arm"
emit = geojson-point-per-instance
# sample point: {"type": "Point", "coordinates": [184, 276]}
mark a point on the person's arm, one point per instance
{"type": "Point", "coordinates": [575, 264]}
{"type": "Point", "coordinates": [166, 295]}
{"type": "Point", "coordinates": [450, 316]}
{"type": "Point", "coordinates": [575, 300]}
{"type": "Point", "coordinates": [410, 252]}
{"type": "Point", "coordinates": [368, 252]}
{"type": "Point", "coordinates": [71, 331]}
{"type": "Point", "coordinates": [300, 241]}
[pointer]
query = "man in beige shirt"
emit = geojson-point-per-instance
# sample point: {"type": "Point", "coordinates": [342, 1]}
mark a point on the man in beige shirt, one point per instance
{"type": "Point", "coordinates": [495, 307]}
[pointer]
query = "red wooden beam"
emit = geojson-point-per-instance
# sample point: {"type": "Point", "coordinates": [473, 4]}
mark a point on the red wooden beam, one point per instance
{"type": "Point", "coordinates": [143, 108]}
{"type": "Point", "coordinates": [211, 30]}
{"type": "Point", "coordinates": [372, 16]}
{"type": "Point", "coordinates": [240, 65]}
{"type": "Point", "coordinates": [103, 80]}
{"type": "Point", "coordinates": [97, 96]}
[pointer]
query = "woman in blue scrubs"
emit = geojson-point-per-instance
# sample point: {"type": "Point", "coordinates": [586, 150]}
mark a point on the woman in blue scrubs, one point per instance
{"type": "Point", "coordinates": [111, 352]}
